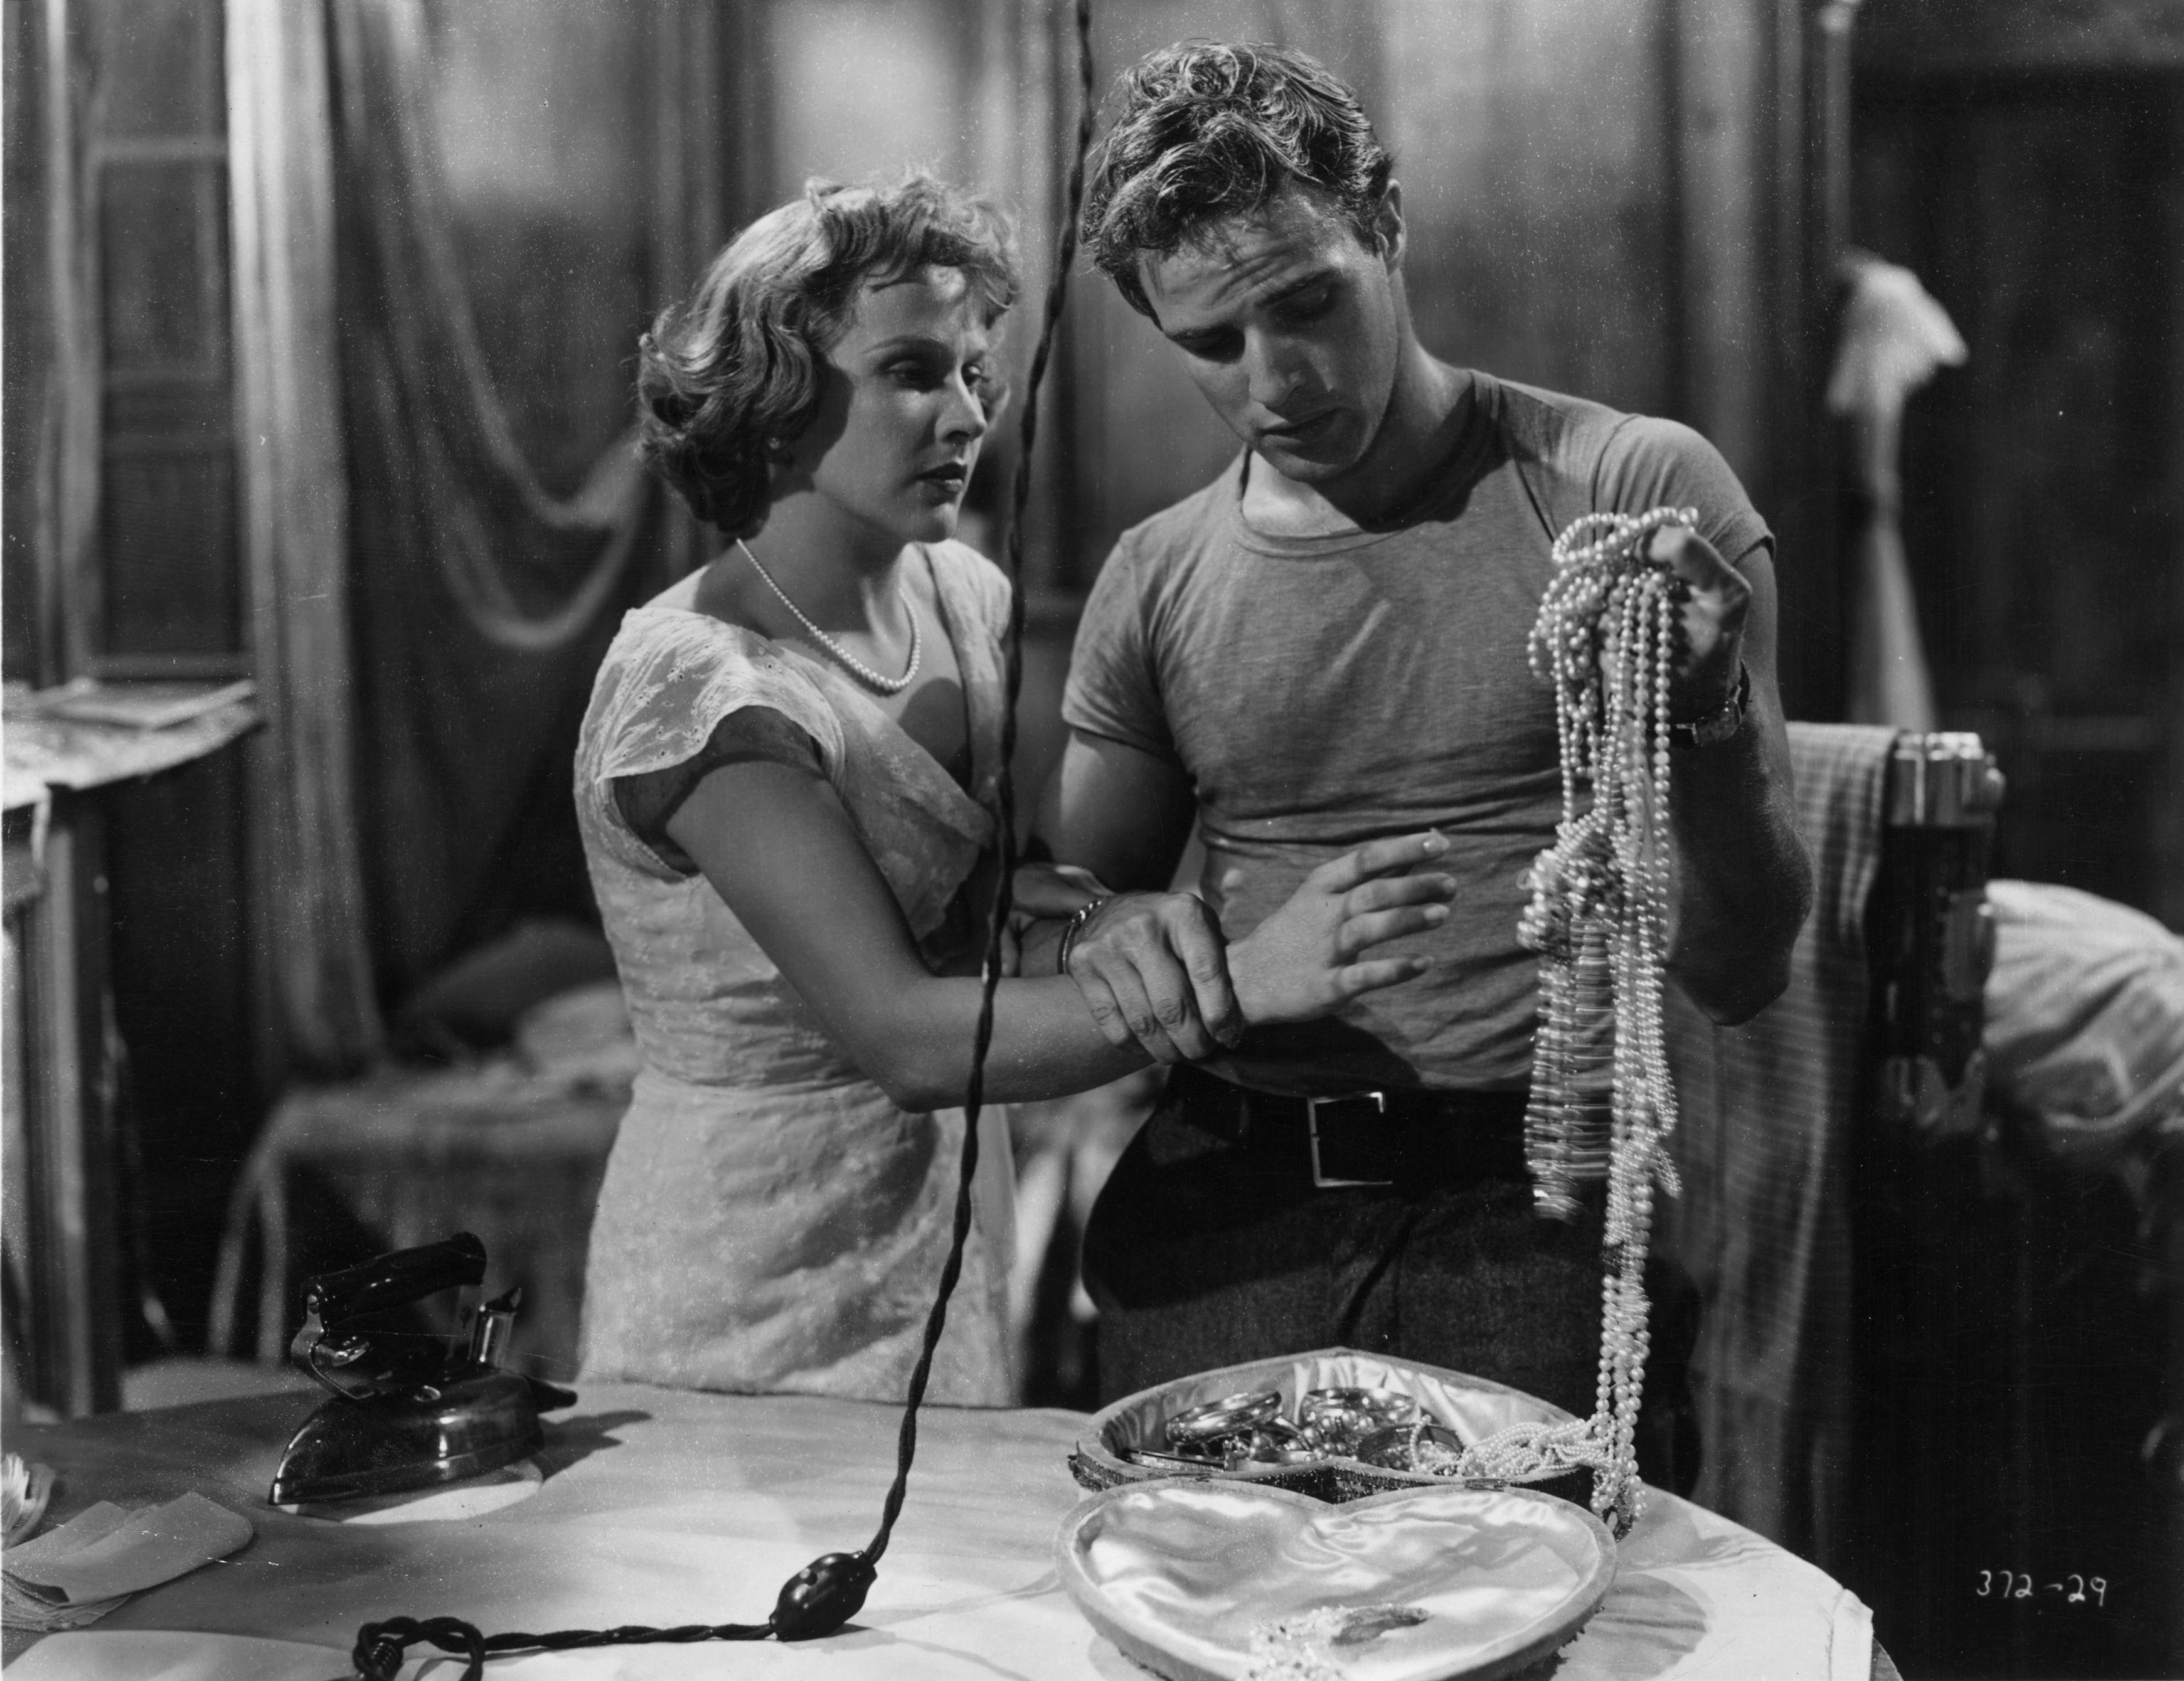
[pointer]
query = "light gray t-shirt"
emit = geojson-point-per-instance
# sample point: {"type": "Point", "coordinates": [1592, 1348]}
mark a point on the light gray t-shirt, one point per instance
{"type": "Point", "coordinates": [1322, 692]}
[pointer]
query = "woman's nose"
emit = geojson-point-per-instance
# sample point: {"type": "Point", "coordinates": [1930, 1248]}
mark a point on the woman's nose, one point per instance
{"type": "Point", "coordinates": [966, 417]}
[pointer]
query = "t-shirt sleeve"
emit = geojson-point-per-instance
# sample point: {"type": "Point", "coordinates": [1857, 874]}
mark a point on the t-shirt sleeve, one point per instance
{"type": "Point", "coordinates": [1650, 463]}
{"type": "Point", "coordinates": [1113, 690]}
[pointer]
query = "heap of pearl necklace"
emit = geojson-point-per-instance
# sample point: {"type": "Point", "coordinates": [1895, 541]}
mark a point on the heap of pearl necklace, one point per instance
{"type": "Point", "coordinates": [855, 667]}
{"type": "Point", "coordinates": [1606, 639]}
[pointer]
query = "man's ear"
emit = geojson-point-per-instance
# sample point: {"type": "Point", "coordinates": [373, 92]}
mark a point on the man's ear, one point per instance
{"type": "Point", "coordinates": [1388, 225]}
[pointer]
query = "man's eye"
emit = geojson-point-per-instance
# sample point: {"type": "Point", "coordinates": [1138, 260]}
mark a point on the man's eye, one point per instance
{"type": "Point", "coordinates": [1213, 347]}
{"type": "Point", "coordinates": [1309, 306]}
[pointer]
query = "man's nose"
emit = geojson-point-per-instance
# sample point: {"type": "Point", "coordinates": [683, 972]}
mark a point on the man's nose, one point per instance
{"type": "Point", "coordinates": [1273, 369]}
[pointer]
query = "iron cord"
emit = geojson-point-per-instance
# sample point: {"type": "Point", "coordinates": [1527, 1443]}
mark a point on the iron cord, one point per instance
{"type": "Point", "coordinates": [827, 1593]}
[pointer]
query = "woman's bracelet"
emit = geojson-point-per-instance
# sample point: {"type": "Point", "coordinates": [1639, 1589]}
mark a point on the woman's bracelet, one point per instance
{"type": "Point", "coordinates": [1083, 915]}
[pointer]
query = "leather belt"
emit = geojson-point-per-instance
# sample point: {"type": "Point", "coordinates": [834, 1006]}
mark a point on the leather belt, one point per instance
{"type": "Point", "coordinates": [1401, 1137]}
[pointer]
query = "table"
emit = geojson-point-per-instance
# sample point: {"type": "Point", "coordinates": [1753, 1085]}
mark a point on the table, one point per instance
{"type": "Point", "coordinates": [663, 1507]}
{"type": "Point", "coordinates": [63, 1225]}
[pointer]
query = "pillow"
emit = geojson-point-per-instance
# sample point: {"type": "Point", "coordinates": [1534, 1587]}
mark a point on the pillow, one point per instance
{"type": "Point", "coordinates": [2085, 1020]}
{"type": "Point", "coordinates": [474, 1003]}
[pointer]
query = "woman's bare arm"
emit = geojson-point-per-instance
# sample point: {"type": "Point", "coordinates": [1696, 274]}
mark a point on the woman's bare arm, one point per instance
{"type": "Point", "coordinates": [776, 844]}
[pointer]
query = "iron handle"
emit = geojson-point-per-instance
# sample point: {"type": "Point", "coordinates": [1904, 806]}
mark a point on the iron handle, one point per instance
{"type": "Point", "coordinates": [391, 1280]}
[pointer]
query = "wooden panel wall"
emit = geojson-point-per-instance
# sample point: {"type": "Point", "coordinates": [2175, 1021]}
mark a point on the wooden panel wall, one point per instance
{"type": "Point", "coordinates": [1586, 182]}
{"type": "Point", "coordinates": [1606, 197]}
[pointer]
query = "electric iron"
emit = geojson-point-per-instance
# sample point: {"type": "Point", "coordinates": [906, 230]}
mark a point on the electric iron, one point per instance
{"type": "Point", "coordinates": [408, 1412]}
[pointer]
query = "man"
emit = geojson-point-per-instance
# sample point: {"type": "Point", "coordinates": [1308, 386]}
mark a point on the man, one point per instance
{"type": "Point", "coordinates": [1327, 644]}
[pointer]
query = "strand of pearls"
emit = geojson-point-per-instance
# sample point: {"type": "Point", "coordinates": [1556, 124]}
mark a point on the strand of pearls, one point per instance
{"type": "Point", "coordinates": [1598, 917]}
{"type": "Point", "coordinates": [855, 667]}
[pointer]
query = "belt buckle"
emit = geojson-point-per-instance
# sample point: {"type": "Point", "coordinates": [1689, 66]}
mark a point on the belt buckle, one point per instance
{"type": "Point", "coordinates": [1313, 1105]}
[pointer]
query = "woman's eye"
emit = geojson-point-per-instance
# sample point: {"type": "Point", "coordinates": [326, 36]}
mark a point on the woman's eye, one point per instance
{"type": "Point", "coordinates": [916, 375]}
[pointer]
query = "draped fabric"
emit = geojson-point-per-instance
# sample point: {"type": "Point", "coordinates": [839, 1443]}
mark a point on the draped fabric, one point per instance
{"type": "Point", "coordinates": [1894, 338]}
{"type": "Point", "coordinates": [480, 599]}
{"type": "Point", "coordinates": [306, 867]}
{"type": "Point", "coordinates": [425, 616]}
{"type": "Point", "coordinates": [1764, 1226]}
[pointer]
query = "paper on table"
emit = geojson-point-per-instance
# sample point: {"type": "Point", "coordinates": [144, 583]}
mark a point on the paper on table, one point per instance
{"type": "Point", "coordinates": [105, 1553]}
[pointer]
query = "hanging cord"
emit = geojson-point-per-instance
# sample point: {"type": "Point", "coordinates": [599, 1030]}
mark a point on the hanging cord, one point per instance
{"type": "Point", "coordinates": [830, 1590]}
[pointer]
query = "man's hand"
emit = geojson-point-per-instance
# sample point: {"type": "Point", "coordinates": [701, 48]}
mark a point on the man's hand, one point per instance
{"type": "Point", "coordinates": [1717, 601]}
{"type": "Point", "coordinates": [1303, 962]}
{"type": "Point", "coordinates": [1153, 967]}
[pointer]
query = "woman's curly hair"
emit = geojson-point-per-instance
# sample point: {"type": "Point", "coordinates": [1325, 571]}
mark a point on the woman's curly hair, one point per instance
{"type": "Point", "coordinates": [737, 365]}
{"type": "Point", "coordinates": [1210, 129]}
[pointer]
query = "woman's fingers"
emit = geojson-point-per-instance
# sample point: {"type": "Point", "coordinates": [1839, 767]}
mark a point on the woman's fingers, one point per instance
{"type": "Point", "coordinates": [1106, 1014]}
{"type": "Point", "coordinates": [1170, 993]}
{"type": "Point", "coordinates": [1377, 858]}
{"type": "Point", "coordinates": [1362, 933]}
{"type": "Point", "coordinates": [1132, 1005]}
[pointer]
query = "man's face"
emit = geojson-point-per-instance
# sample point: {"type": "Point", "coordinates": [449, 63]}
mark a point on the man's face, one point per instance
{"type": "Point", "coordinates": [1291, 325]}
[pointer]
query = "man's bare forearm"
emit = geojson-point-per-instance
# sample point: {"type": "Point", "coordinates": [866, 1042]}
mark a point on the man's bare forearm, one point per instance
{"type": "Point", "coordinates": [1743, 878]}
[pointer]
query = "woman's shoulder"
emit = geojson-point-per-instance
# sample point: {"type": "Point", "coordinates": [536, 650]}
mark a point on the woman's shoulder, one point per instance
{"type": "Point", "coordinates": [662, 633]}
{"type": "Point", "coordinates": [956, 565]}
{"type": "Point", "coordinates": [675, 672]}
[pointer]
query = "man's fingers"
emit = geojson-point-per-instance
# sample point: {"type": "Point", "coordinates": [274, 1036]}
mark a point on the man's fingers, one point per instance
{"type": "Point", "coordinates": [1385, 971]}
{"type": "Point", "coordinates": [1692, 558]}
{"type": "Point", "coordinates": [1390, 891]}
{"type": "Point", "coordinates": [1361, 933]}
{"type": "Point", "coordinates": [1377, 857]}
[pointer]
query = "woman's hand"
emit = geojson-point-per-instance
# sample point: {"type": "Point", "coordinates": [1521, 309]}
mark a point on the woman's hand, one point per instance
{"type": "Point", "coordinates": [1303, 961]}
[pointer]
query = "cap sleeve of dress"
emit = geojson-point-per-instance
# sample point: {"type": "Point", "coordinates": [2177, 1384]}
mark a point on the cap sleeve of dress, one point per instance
{"type": "Point", "coordinates": [668, 679]}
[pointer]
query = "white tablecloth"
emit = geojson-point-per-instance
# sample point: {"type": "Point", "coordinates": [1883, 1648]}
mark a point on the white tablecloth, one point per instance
{"type": "Point", "coordinates": [664, 1507]}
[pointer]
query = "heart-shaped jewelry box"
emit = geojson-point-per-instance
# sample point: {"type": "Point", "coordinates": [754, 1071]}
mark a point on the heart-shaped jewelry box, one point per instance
{"type": "Point", "coordinates": [1206, 1580]}
{"type": "Point", "coordinates": [1474, 1407]}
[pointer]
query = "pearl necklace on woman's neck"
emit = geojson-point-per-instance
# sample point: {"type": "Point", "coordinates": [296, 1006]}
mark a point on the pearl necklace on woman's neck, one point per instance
{"type": "Point", "coordinates": [855, 667]}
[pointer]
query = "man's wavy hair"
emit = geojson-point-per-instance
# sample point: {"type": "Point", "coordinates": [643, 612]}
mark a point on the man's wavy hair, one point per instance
{"type": "Point", "coordinates": [1207, 129]}
{"type": "Point", "coordinates": [737, 367]}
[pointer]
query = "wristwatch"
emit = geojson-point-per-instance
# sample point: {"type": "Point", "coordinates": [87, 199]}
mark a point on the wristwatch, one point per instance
{"type": "Point", "coordinates": [1722, 725]}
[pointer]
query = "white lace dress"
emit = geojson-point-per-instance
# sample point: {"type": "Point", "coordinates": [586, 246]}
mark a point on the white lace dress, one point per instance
{"type": "Point", "coordinates": [770, 1220]}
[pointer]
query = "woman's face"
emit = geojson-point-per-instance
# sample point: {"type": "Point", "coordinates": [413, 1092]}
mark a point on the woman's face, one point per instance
{"type": "Point", "coordinates": [897, 430]}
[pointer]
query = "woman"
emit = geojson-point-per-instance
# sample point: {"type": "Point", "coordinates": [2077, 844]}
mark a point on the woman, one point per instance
{"type": "Point", "coordinates": [783, 783]}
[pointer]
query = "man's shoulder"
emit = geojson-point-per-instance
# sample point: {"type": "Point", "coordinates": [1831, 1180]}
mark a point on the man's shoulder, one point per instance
{"type": "Point", "coordinates": [1586, 455]}
{"type": "Point", "coordinates": [1170, 535]}
{"type": "Point", "coordinates": [1553, 429]}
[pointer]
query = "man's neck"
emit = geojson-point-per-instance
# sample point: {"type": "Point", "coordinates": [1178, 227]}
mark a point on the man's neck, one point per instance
{"type": "Point", "coordinates": [1427, 412]}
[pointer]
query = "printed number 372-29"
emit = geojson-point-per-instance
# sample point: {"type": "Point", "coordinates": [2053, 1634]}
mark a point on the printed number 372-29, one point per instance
{"type": "Point", "coordinates": [2016, 1584]}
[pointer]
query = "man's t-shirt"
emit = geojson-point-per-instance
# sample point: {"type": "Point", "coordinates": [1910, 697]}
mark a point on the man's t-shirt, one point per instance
{"type": "Point", "coordinates": [1322, 692]}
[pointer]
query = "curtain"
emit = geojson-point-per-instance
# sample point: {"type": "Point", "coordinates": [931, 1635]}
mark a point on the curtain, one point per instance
{"type": "Point", "coordinates": [426, 615]}
{"type": "Point", "coordinates": [312, 960]}
{"type": "Point", "coordinates": [480, 599]}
